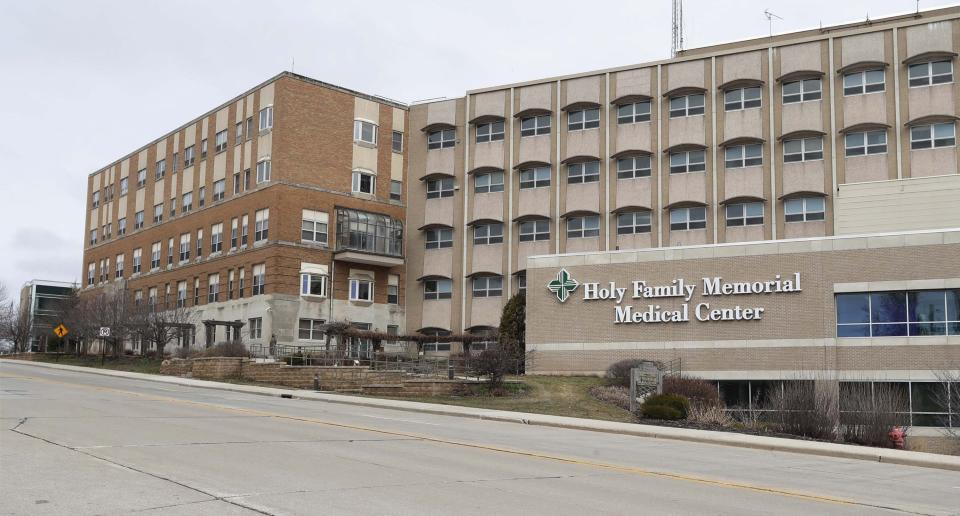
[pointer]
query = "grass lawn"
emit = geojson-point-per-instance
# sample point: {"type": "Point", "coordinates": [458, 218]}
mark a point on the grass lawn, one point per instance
{"type": "Point", "coordinates": [554, 395]}
{"type": "Point", "coordinates": [123, 363]}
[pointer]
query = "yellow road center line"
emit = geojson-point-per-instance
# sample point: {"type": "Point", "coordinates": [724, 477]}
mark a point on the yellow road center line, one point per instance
{"type": "Point", "coordinates": [498, 449]}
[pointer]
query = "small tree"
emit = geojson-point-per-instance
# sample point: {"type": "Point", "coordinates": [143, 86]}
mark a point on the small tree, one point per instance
{"type": "Point", "coordinates": [15, 325]}
{"type": "Point", "coordinates": [161, 327]}
{"type": "Point", "coordinates": [513, 329]}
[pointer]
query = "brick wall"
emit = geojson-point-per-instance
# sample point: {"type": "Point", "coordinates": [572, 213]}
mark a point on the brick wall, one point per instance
{"type": "Point", "coordinates": [217, 368]}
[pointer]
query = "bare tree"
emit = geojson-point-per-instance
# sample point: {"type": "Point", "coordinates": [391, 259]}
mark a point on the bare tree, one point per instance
{"type": "Point", "coordinates": [114, 309]}
{"type": "Point", "coordinates": [948, 399]}
{"type": "Point", "coordinates": [15, 325]}
{"type": "Point", "coordinates": [161, 327]}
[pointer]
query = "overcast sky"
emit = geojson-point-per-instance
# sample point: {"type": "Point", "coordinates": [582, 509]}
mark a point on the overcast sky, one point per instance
{"type": "Point", "coordinates": [84, 83]}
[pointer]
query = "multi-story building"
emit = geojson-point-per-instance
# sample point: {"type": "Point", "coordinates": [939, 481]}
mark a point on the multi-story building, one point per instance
{"type": "Point", "coordinates": [40, 301]}
{"type": "Point", "coordinates": [280, 209]}
{"type": "Point", "coordinates": [294, 211]}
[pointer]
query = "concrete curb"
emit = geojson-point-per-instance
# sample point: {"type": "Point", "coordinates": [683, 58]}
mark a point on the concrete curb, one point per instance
{"type": "Point", "coordinates": [846, 451]}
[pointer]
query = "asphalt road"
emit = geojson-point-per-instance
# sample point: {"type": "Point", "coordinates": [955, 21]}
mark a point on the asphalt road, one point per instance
{"type": "Point", "coordinates": [77, 443]}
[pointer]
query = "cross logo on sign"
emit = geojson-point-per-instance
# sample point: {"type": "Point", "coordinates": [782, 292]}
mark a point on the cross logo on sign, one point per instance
{"type": "Point", "coordinates": [563, 285]}
{"type": "Point", "coordinates": [104, 331]}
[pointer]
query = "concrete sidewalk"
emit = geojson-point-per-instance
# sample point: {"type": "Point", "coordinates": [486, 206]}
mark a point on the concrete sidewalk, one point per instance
{"type": "Point", "coordinates": [927, 460]}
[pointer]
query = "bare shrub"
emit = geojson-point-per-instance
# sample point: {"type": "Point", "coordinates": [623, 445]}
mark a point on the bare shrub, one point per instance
{"type": "Point", "coordinates": [948, 399]}
{"type": "Point", "coordinates": [871, 411]}
{"type": "Point", "coordinates": [494, 364]}
{"type": "Point", "coordinates": [694, 389]}
{"type": "Point", "coordinates": [801, 409]}
{"type": "Point", "coordinates": [707, 413]}
{"type": "Point", "coordinates": [619, 372]}
{"type": "Point", "coordinates": [612, 394]}
{"type": "Point", "coordinates": [227, 349]}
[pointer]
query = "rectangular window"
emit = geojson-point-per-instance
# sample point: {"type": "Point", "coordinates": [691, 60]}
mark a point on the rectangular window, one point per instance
{"type": "Point", "coordinates": [203, 148]}
{"type": "Point", "coordinates": [266, 118]}
{"type": "Point", "coordinates": [441, 139]}
{"type": "Point", "coordinates": [488, 286]}
{"type": "Point", "coordinates": [485, 234]}
{"type": "Point", "coordinates": [249, 130]}
{"type": "Point", "coordinates": [259, 279]}
{"type": "Point", "coordinates": [310, 329]}
{"type": "Point", "coordinates": [393, 294]}
{"type": "Point", "coordinates": [633, 167]}
{"type": "Point", "coordinates": [138, 220]}
{"type": "Point", "coordinates": [219, 190]}
{"type": "Point", "coordinates": [935, 135]}
{"type": "Point", "coordinates": [683, 219]}
{"type": "Point", "coordinates": [803, 149]}
{"type": "Point", "coordinates": [438, 238]}
{"type": "Point", "coordinates": [583, 227]}
{"type": "Point", "coordinates": [397, 143]}
{"type": "Point", "coordinates": [314, 227]}
{"type": "Point", "coordinates": [261, 227]}
{"type": "Point", "coordinates": [437, 289]}
{"type": "Point", "coordinates": [801, 91]}
{"type": "Point", "coordinates": [396, 190]}
{"type": "Point", "coordinates": [739, 156]}
{"type": "Point", "coordinates": [364, 182]}
{"type": "Point", "coordinates": [244, 230]}
{"type": "Point", "coordinates": [202, 196]}
{"type": "Point", "coordinates": [535, 125]}
{"type": "Point", "coordinates": [141, 178]}
{"type": "Point", "coordinates": [918, 313]}
{"type": "Point", "coordinates": [256, 327]}
{"type": "Point", "coordinates": [176, 162]}
{"type": "Point", "coordinates": [234, 233]}
{"type": "Point", "coordinates": [170, 252]}
{"type": "Point", "coordinates": [687, 161]}
{"type": "Point", "coordinates": [586, 172]}
{"type": "Point", "coordinates": [236, 183]}
{"type": "Point", "coordinates": [490, 132]}
{"type": "Point", "coordinates": [871, 142]}
{"type": "Point", "coordinates": [263, 171]}
{"type": "Point", "coordinates": [686, 105]}
{"type": "Point", "coordinates": [633, 113]}
{"type": "Point", "coordinates": [868, 81]}
{"type": "Point", "coordinates": [313, 284]}
{"type": "Point", "coordinates": [522, 282]}
{"type": "Point", "coordinates": [803, 209]}
{"type": "Point", "coordinates": [488, 182]}
{"type": "Point", "coordinates": [199, 243]}
{"type": "Point", "coordinates": [241, 283]}
{"type": "Point", "coordinates": [927, 74]}
{"type": "Point", "coordinates": [137, 260]}
{"type": "Point", "coordinates": [437, 188]}
{"type": "Point", "coordinates": [533, 230]}
{"type": "Point", "coordinates": [189, 156]}
{"type": "Point", "coordinates": [120, 260]}
{"type": "Point", "coordinates": [157, 213]}
{"type": "Point", "coordinates": [213, 288]}
{"type": "Point", "coordinates": [741, 98]}
{"type": "Point", "coordinates": [161, 169]}
{"type": "Point", "coordinates": [122, 226]}
{"type": "Point", "coordinates": [220, 140]}
{"type": "Point", "coordinates": [365, 132]}
{"type": "Point", "coordinates": [230, 277]}
{"type": "Point", "coordinates": [216, 238]}
{"type": "Point", "coordinates": [745, 214]}
{"type": "Point", "coordinates": [181, 294]}
{"type": "Point", "coordinates": [361, 290]}
{"type": "Point", "coordinates": [238, 134]}
{"type": "Point", "coordinates": [633, 222]}
{"type": "Point", "coordinates": [173, 207]}
{"type": "Point", "coordinates": [91, 273]}
{"type": "Point", "coordinates": [535, 177]}
{"type": "Point", "coordinates": [187, 205]}
{"type": "Point", "coordinates": [184, 247]}
{"type": "Point", "coordinates": [583, 119]}
{"type": "Point", "coordinates": [155, 256]}
{"type": "Point", "coordinates": [93, 236]}
{"type": "Point", "coordinates": [124, 186]}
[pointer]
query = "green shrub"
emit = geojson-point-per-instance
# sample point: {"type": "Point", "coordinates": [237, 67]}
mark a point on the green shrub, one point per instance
{"type": "Point", "coordinates": [619, 372]}
{"type": "Point", "coordinates": [660, 412]}
{"type": "Point", "coordinates": [674, 401]}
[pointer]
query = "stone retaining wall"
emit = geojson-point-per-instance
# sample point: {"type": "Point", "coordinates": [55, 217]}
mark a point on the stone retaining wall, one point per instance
{"type": "Point", "coordinates": [217, 368]}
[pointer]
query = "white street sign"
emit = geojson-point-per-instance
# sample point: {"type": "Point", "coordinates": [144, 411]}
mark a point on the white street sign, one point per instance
{"type": "Point", "coordinates": [104, 331]}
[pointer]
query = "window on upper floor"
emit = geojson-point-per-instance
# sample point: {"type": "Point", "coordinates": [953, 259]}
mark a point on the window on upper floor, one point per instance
{"type": "Point", "coordinates": [314, 226]}
{"type": "Point", "coordinates": [490, 132]}
{"type": "Point", "coordinates": [633, 167]}
{"type": "Point", "coordinates": [203, 148]}
{"type": "Point", "coordinates": [93, 236]}
{"type": "Point", "coordinates": [442, 187]}
{"type": "Point", "coordinates": [535, 125]}
{"type": "Point", "coordinates": [536, 177]}
{"type": "Point", "coordinates": [802, 91]}
{"type": "Point", "coordinates": [189, 156]}
{"type": "Point", "coordinates": [930, 73]}
{"type": "Point", "coordinates": [124, 186]}
{"type": "Point", "coordinates": [867, 81]}
{"type": "Point", "coordinates": [312, 284]}
{"type": "Point", "coordinates": [364, 131]}
{"type": "Point", "coordinates": [869, 142]}
{"type": "Point", "coordinates": [683, 219]}
{"type": "Point", "coordinates": [202, 196]}
{"type": "Point", "coordinates": [686, 105]}
{"type": "Point", "coordinates": [488, 182]}
{"type": "Point", "coordinates": [122, 226]}
{"type": "Point", "coordinates": [213, 288]}
{"type": "Point", "coordinates": [687, 161]}
{"type": "Point", "coordinates": [741, 98]}
{"type": "Point", "coordinates": [173, 207]}
{"type": "Point", "coordinates": [219, 190]}
{"type": "Point", "coordinates": [581, 119]}
{"type": "Point", "coordinates": [803, 209]}
{"type": "Point", "coordinates": [155, 256]}
{"type": "Point", "coordinates": [187, 205]}
{"type": "Point", "coordinates": [916, 313]}
{"type": "Point", "coordinates": [533, 230]}
{"type": "Point", "coordinates": [361, 290]}
{"type": "Point", "coordinates": [220, 141]}
{"type": "Point", "coordinates": [583, 227]}
{"type": "Point", "coordinates": [438, 238]}
{"type": "Point", "coordinates": [397, 142]}
{"type": "Point", "coordinates": [263, 171]}
{"type": "Point", "coordinates": [160, 170]}
{"type": "Point", "coordinates": [157, 213]}
{"type": "Point", "coordinates": [933, 135]}
{"type": "Point", "coordinates": [199, 243]}
{"type": "Point", "coordinates": [238, 133]}
{"type": "Point", "coordinates": [260, 279]}
{"type": "Point", "coordinates": [138, 220]}
{"type": "Point", "coordinates": [261, 225]}
{"type": "Point", "coordinates": [137, 260]}
{"type": "Point", "coordinates": [95, 199]}
{"type": "Point", "coordinates": [266, 118]}
{"type": "Point", "coordinates": [364, 182]}
{"type": "Point", "coordinates": [744, 214]}
{"type": "Point", "coordinates": [176, 162]}
{"type": "Point", "coordinates": [803, 149]}
{"type": "Point", "coordinates": [119, 272]}
{"type": "Point", "coordinates": [633, 113]}
{"type": "Point", "coordinates": [437, 288]}
{"type": "Point", "coordinates": [441, 139]}
{"type": "Point", "coordinates": [633, 222]}
{"type": "Point", "coordinates": [488, 286]}
{"type": "Point", "coordinates": [141, 178]}
{"type": "Point", "coordinates": [485, 234]}
{"type": "Point", "coordinates": [396, 190]}
{"type": "Point", "coordinates": [393, 290]}
{"type": "Point", "coordinates": [739, 156]}
{"type": "Point", "coordinates": [216, 238]}
{"type": "Point", "coordinates": [586, 172]}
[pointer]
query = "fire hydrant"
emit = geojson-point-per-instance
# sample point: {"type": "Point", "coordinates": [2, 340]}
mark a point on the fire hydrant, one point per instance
{"type": "Point", "coordinates": [896, 437]}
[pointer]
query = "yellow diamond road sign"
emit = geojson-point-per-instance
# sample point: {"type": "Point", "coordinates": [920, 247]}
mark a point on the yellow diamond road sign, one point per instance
{"type": "Point", "coordinates": [60, 331]}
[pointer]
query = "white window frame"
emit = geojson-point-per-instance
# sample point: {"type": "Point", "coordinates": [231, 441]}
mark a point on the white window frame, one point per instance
{"type": "Point", "coordinates": [688, 218]}
{"type": "Point", "coordinates": [816, 154]}
{"type": "Point", "coordinates": [355, 284]}
{"type": "Point", "coordinates": [634, 222]}
{"type": "Point", "coordinates": [437, 288]}
{"type": "Point", "coordinates": [692, 161]}
{"type": "Point", "coordinates": [313, 329]}
{"type": "Point", "coordinates": [266, 118]}
{"type": "Point", "coordinates": [309, 279]}
{"type": "Point", "coordinates": [438, 238]}
{"type": "Point", "coordinates": [741, 156]}
{"type": "Point", "coordinates": [583, 119]}
{"type": "Point", "coordinates": [256, 328]}
{"type": "Point", "coordinates": [315, 223]}
{"type": "Point", "coordinates": [490, 132]}
{"type": "Point", "coordinates": [864, 82]}
{"type": "Point", "coordinates": [220, 141]}
{"type": "Point", "coordinates": [534, 230]}
{"type": "Point", "coordinates": [264, 170]}
{"type": "Point", "coordinates": [744, 214]}
{"type": "Point", "coordinates": [586, 226]}
{"type": "Point", "coordinates": [261, 225]}
{"type": "Point", "coordinates": [534, 177]}
{"type": "Point", "coordinates": [487, 286]}
{"type": "Point", "coordinates": [535, 125]}
{"type": "Point", "coordinates": [739, 99]}
{"type": "Point", "coordinates": [633, 113]}
{"type": "Point", "coordinates": [926, 76]}
{"type": "Point", "coordinates": [396, 141]}
{"type": "Point", "coordinates": [358, 180]}
{"type": "Point", "coordinates": [441, 139]}
{"type": "Point", "coordinates": [216, 238]}
{"type": "Point", "coordinates": [259, 283]}
{"type": "Point", "coordinates": [365, 131]}
{"type": "Point", "coordinates": [808, 90]}
{"type": "Point", "coordinates": [633, 167]}
{"type": "Point", "coordinates": [155, 256]}
{"type": "Point", "coordinates": [805, 213]}
{"type": "Point", "coordinates": [396, 190]}
{"type": "Point", "coordinates": [219, 190]}
{"type": "Point", "coordinates": [933, 140]}
{"type": "Point", "coordinates": [858, 143]}
{"type": "Point", "coordinates": [440, 187]}
{"type": "Point", "coordinates": [583, 172]}
{"type": "Point", "coordinates": [184, 247]}
{"type": "Point", "coordinates": [693, 104]}
{"type": "Point", "coordinates": [487, 234]}
{"type": "Point", "coordinates": [488, 182]}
